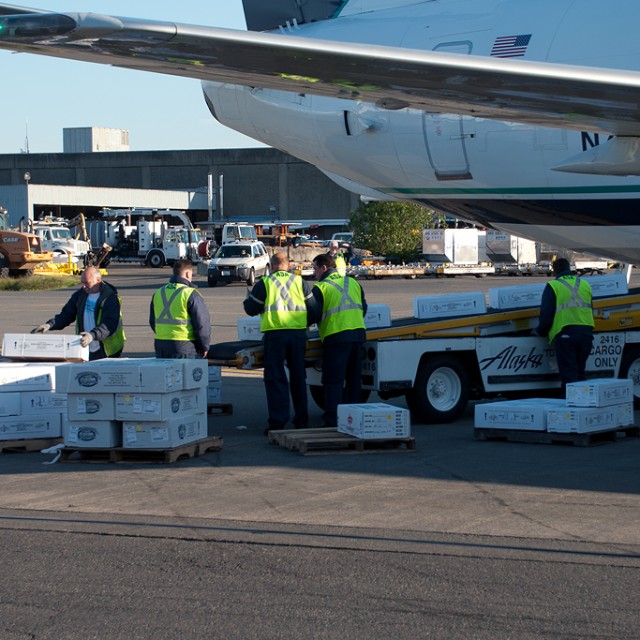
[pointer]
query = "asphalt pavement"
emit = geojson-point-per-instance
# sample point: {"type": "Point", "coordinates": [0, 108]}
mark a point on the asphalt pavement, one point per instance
{"type": "Point", "coordinates": [457, 539]}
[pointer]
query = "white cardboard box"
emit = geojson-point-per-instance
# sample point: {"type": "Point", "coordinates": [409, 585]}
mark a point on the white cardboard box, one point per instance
{"type": "Point", "coordinates": [91, 406]}
{"type": "Point", "coordinates": [122, 375]}
{"type": "Point", "coordinates": [89, 434]}
{"type": "Point", "coordinates": [449, 305]}
{"type": "Point", "coordinates": [43, 346]}
{"type": "Point", "coordinates": [374, 420]}
{"type": "Point", "coordinates": [10, 404]}
{"type": "Point", "coordinates": [378, 316]}
{"type": "Point", "coordinates": [28, 376]}
{"type": "Point", "coordinates": [582, 419]}
{"type": "Point", "coordinates": [164, 435]}
{"type": "Point", "coordinates": [30, 427]}
{"type": "Point", "coordinates": [156, 407]}
{"type": "Point", "coordinates": [526, 415]}
{"type": "Point", "coordinates": [249, 328]}
{"type": "Point", "coordinates": [608, 285]}
{"type": "Point", "coordinates": [34, 402]}
{"type": "Point", "coordinates": [518, 297]}
{"type": "Point", "coordinates": [599, 392]}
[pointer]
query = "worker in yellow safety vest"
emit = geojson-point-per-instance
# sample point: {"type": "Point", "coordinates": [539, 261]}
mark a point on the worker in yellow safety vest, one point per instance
{"type": "Point", "coordinates": [339, 309]}
{"type": "Point", "coordinates": [179, 316]}
{"type": "Point", "coordinates": [96, 310]}
{"type": "Point", "coordinates": [281, 300]}
{"type": "Point", "coordinates": [338, 256]}
{"type": "Point", "coordinates": [566, 317]}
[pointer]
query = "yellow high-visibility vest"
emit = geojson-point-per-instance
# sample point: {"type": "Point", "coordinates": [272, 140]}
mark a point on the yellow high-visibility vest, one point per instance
{"type": "Point", "coordinates": [342, 309]}
{"type": "Point", "coordinates": [573, 304]}
{"type": "Point", "coordinates": [284, 306]}
{"type": "Point", "coordinates": [170, 311]}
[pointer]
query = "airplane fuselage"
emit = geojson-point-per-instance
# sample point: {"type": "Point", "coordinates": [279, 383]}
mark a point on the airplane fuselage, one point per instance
{"type": "Point", "coordinates": [494, 173]}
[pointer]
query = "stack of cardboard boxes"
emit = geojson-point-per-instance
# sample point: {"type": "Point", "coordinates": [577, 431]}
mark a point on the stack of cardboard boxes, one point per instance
{"type": "Point", "coordinates": [30, 406]}
{"type": "Point", "coordinates": [143, 403]}
{"type": "Point", "coordinates": [600, 404]}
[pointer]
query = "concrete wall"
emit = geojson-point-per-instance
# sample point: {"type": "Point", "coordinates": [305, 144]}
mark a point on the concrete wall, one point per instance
{"type": "Point", "coordinates": [257, 182]}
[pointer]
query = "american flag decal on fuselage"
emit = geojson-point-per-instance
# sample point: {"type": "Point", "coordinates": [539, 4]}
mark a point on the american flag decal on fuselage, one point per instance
{"type": "Point", "coordinates": [510, 46]}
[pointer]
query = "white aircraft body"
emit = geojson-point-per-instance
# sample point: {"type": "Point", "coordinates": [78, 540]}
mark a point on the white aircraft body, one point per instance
{"type": "Point", "coordinates": [522, 116]}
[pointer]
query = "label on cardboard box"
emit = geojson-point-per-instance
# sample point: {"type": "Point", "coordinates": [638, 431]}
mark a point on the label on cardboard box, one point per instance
{"type": "Point", "coordinates": [33, 402]}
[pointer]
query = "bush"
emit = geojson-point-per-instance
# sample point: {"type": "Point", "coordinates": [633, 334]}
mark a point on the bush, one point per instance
{"type": "Point", "coordinates": [393, 229]}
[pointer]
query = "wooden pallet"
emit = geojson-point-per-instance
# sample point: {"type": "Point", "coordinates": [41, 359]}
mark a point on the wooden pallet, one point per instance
{"type": "Point", "coordinates": [548, 437]}
{"type": "Point", "coordinates": [141, 456]}
{"type": "Point", "coordinates": [27, 446]}
{"type": "Point", "coordinates": [324, 441]}
{"type": "Point", "coordinates": [220, 409]}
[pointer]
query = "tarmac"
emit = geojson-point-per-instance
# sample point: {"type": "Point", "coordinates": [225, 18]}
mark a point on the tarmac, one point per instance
{"type": "Point", "coordinates": [581, 503]}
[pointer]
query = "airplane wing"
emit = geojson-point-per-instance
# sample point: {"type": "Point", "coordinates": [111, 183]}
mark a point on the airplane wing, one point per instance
{"type": "Point", "coordinates": [537, 93]}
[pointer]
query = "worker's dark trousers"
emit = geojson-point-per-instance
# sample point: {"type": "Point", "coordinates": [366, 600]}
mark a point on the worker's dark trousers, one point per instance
{"type": "Point", "coordinates": [572, 352]}
{"type": "Point", "coordinates": [341, 377]}
{"type": "Point", "coordinates": [285, 346]}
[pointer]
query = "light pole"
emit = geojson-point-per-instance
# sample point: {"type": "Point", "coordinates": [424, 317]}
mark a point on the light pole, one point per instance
{"type": "Point", "coordinates": [27, 177]}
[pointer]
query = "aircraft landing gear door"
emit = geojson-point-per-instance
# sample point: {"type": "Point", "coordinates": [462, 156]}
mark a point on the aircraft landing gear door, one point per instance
{"type": "Point", "coordinates": [445, 136]}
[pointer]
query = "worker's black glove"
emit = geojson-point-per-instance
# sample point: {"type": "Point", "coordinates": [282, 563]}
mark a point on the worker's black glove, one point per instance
{"type": "Point", "coordinates": [43, 328]}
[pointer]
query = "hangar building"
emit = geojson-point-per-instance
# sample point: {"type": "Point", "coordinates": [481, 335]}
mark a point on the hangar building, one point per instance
{"type": "Point", "coordinates": [249, 184]}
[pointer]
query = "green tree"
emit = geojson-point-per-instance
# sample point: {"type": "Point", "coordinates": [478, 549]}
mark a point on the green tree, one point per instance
{"type": "Point", "coordinates": [393, 229]}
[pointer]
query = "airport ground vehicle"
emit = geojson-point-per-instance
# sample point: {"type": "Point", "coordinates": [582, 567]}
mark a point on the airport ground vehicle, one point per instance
{"type": "Point", "coordinates": [240, 261]}
{"type": "Point", "coordinates": [20, 253]}
{"type": "Point", "coordinates": [146, 235]}
{"type": "Point", "coordinates": [439, 365]}
{"type": "Point", "coordinates": [56, 236]}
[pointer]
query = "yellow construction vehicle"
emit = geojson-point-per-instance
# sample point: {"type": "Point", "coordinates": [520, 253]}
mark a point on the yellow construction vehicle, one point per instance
{"type": "Point", "coordinates": [20, 253]}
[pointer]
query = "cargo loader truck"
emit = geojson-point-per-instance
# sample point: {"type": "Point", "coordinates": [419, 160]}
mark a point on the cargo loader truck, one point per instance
{"type": "Point", "coordinates": [440, 364]}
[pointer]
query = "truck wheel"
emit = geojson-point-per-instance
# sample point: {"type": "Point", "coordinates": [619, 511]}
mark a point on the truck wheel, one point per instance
{"type": "Point", "coordinates": [317, 393]}
{"type": "Point", "coordinates": [4, 268]}
{"type": "Point", "coordinates": [630, 368]}
{"type": "Point", "coordinates": [251, 280]}
{"type": "Point", "coordinates": [212, 283]}
{"type": "Point", "coordinates": [441, 390]}
{"type": "Point", "coordinates": [155, 259]}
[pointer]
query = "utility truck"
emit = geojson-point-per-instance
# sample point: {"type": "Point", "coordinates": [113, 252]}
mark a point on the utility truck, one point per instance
{"type": "Point", "coordinates": [149, 236]}
{"type": "Point", "coordinates": [56, 236]}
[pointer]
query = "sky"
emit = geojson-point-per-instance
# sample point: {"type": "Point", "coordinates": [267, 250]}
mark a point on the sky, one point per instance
{"type": "Point", "coordinates": [43, 95]}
